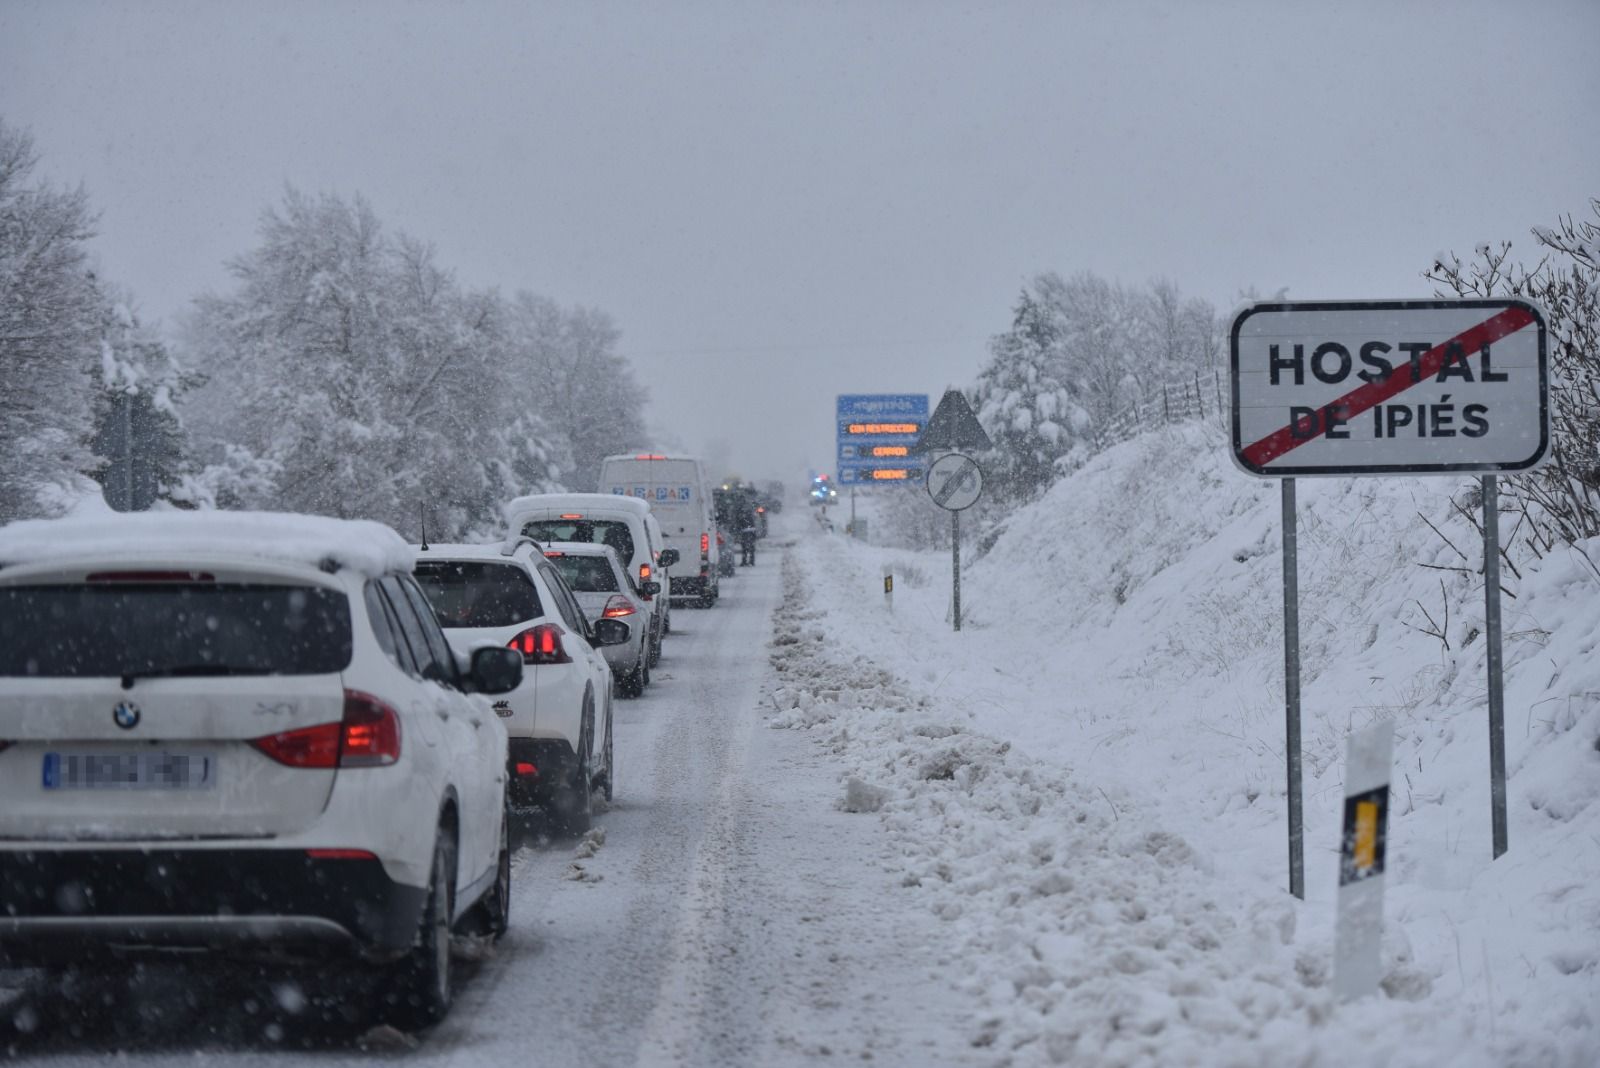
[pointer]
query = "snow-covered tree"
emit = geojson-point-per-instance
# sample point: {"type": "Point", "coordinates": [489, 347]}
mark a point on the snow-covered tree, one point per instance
{"type": "Point", "coordinates": [50, 309]}
{"type": "Point", "coordinates": [1560, 501]}
{"type": "Point", "coordinates": [583, 389]}
{"type": "Point", "coordinates": [349, 374]}
{"type": "Point", "coordinates": [1026, 400]}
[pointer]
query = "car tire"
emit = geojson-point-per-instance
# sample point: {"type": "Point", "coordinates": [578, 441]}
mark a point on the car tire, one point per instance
{"type": "Point", "coordinates": [632, 684]}
{"type": "Point", "coordinates": [422, 990]}
{"type": "Point", "coordinates": [497, 902]}
{"type": "Point", "coordinates": [609, 784]}
{"type": "Point", "coordinates": [573, 803]}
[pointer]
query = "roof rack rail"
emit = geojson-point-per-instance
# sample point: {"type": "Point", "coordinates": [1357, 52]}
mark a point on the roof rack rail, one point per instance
{"type": "Point", "coordinates": [510, 546]}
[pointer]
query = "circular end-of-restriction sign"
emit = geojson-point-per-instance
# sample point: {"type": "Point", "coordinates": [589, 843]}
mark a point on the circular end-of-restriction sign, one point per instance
{"type": "Point", "coordinates": [954, 482]}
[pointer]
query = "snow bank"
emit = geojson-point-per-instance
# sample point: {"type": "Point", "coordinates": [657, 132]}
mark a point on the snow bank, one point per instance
{"type": "Point", "coordinates": [1089, 778]}
{"type": "Point", "coordinates": [368, 547]}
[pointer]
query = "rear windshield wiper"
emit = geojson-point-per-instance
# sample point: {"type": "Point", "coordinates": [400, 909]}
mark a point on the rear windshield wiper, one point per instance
{"type": "Point", "coordinates": [179, 670]}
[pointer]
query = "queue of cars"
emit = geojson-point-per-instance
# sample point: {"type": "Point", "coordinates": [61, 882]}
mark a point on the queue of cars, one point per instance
{"type": "Point", "coordinates": [253, 732]}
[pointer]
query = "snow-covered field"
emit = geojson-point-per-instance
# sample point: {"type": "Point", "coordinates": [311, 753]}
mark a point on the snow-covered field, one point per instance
{"type": "Point", "coordinates": [1088, 780]}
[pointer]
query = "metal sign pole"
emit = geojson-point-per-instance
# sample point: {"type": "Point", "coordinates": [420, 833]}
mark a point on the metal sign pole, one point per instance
{"type": "Point", "coordinates": [1291, 691]}
{"type": "Point", "coordinates": [1497, 692]}
{"type": "Point", "coordinates": [955, 567]}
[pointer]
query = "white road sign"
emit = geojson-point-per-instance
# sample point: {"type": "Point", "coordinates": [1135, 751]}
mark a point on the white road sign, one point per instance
{"type": "Point", "coordinates": [1389, 387]}
{"type": "Point", "coordinates": [954, 482]}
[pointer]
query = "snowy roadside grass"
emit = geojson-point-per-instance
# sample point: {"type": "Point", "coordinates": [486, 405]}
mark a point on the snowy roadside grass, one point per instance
{"type": "Point", "coordinates": [1115, 865]}
{"type": "Point", "coordinates": [1092, 937]}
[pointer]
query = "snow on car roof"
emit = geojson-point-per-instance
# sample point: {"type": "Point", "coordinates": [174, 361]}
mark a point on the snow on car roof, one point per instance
{"type": "Point", "coordinates": [359, 544]}
{"type": "Point", "coordinates": [469, 550]}
{"type": "Point", "coordinates": [544, 502]}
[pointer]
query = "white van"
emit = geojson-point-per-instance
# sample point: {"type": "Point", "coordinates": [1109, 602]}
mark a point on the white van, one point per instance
{"type": "Point", "coordinates": [679, 495]}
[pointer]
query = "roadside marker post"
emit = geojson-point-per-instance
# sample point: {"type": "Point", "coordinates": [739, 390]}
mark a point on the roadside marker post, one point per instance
{"type": "Point", "coordinates": [1407, 387]}
{"type": "Point", "coordinates": [1358, 935]}
{"type": "Point", "coordinates": [888, 587]}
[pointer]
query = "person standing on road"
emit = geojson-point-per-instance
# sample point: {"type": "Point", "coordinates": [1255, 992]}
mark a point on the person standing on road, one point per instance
{"type": "Point", "coordinates": [747, 544]}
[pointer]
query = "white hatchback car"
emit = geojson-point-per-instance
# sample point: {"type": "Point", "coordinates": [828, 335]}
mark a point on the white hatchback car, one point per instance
{"type": "Point", "coordinates": [605, 589]}
{"type": "Point", "coordinates": [243, 730]}
{"type": "Point", "coordinates": [559, 717]}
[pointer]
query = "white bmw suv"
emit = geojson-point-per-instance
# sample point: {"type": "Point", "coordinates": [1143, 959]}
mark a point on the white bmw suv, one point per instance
{"type": "Point", "coordinates": [559, 716]}
{"type": "Point", "coordinates": [237, 731]}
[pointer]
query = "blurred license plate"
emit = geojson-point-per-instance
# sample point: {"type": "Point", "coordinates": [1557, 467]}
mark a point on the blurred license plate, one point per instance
{"type": "Point", "coordinates": [129, 771]}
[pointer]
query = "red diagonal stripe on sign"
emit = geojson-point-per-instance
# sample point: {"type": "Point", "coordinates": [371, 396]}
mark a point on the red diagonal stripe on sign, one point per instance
{"type": "Point", "coordinates": [1501, 324]}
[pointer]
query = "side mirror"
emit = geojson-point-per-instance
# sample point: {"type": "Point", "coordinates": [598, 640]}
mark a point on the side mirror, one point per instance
{"type": "Point", "coordinates": [496, 669]}
{"type": "Point", "coordinates": [651, 588]}
{"type": "Point", "coordinates": [611, 632]}
{"type": "Point", "coordinates": [669, 557]}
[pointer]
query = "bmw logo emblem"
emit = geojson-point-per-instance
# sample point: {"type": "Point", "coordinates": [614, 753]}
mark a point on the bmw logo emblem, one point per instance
{"type": "Point", "coordinates": [126, 715]}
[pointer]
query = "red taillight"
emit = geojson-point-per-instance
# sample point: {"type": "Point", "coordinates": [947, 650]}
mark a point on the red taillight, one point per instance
{"type": "Point", "coordinates": [617, 607]}
{"type": "Point", "coordinates": [554, 555]}
{"type": "Point", "coordinates": [540, 645]}
{"type": "Point", "coordinates": [367, 737]}
{"type": "Point", "coordinates": [649, 456]}
{"type": "Point", "coordinates": [371, 732]}
{"type": "Point", "coordinates": [721, 539]}
{"type": "Point", "coordinates": [571, 515]}
{"type": "Point", "coordinates": [308, 747]}
{"type": "Point", "coordinates": [525, 769]}
{"type": "Point", "coordinates": [644, 572]}
{"type": "Point", "coordinates": [705, 542]}
{"type": "Point", "coordinates": [341, 854]}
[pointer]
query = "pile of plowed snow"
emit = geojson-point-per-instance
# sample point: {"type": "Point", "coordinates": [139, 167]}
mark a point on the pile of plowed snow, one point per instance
{"type": "Point", "coordinates": [1090, 777]}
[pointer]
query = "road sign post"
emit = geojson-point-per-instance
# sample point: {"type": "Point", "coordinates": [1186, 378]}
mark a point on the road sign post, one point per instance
{"type": "Point", "coordinates": [955, 482]}
{"type": "Point", "coordinates": [1360, 388]}
{"type": "Point", "coordinates": [1291, 690]}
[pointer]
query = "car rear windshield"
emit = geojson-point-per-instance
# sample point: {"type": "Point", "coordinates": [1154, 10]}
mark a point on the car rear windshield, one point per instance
{"type": "Point", "coordinates": [586, 574]}
{"type": "Point", "coordinates": [599, 531]}
{"type": "Point", "coordinates": [470, 593]}
{"type": "Point", "coordinates": [138, 629]}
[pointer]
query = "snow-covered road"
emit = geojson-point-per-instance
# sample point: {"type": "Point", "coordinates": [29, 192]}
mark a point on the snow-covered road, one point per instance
{"type": "Point", "coordinates": [725, 912]}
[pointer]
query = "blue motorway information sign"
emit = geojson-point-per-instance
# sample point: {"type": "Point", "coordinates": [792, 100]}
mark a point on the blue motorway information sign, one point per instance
{"type": "Point", "coordinates": [877, 436]}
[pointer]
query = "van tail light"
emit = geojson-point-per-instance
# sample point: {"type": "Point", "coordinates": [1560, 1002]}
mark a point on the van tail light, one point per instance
{"type": "Point", "coordinates": [540, 645]}
{"type": "Point", "coordinates": [367, 737]}
{"type": "Point", "coordinates": [705, 543]}
{"type": "Point", "coordinates": [617, 607]}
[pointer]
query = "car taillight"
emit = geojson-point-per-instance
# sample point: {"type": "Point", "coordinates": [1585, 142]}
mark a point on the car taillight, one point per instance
{"type": "Point", "coordinates": [644, 572]}
{"type": "Point", "coordinates": [341, 854]}
{"type": "Point", "coordinates": [367, 737]}
{"type": "Point", "coordinates": [705, 543]}
{"type": "Point", "coordinates": [540, 645]}
{"type": "Point", "coordinates": [617, 607]}
{"type": "Point", "coordinates": [308, 747]}
{"type": "Point", "coordinates": [721, 539]}
{"type": "Point", "coordinates": [371, 732]}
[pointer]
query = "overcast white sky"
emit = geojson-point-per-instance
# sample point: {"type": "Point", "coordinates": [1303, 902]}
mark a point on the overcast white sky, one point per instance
{"type": "Point", "coordinates": [781, 202]}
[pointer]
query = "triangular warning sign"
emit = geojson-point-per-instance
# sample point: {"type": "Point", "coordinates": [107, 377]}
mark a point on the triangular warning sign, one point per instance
{"type": "Point", "coordinates": [953, 425]}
